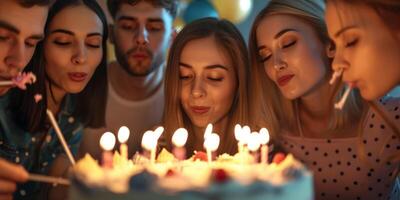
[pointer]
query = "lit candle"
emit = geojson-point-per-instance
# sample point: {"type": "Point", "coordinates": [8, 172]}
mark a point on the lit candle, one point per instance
{"type": "Point", "coordinates": [123, 135]}
{"type": "Point", "coordinates": [211, 143]}
{"type": "Point", "coordinates": [239, 137]}
{"type": "Point", "coordinates": [208, 130]}
{"type": "Point", "coordinates": [253, 144]}
{"type": "Point", "coordinates": [264, 139]}
{"type": "Point", "coordinates": [246, 132]}
{"type": "Point", "coordinates": [107, 142]}
{"type": "Point", "coordinates": [179, 140]}
{"type": "Point", "coordinates": [149, 142]}
{"type": "Point", "coordinates": [158, 132]}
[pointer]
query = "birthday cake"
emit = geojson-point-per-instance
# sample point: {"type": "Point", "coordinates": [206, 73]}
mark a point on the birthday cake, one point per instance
{"type": "Point", "coordinates": [227, 177]}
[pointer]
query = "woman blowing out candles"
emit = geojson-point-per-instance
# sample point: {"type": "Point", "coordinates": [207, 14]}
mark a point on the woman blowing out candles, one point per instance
{"type": "Point", "coordinates": [206, 82]}
{"type": "Point", "coordinates": [70, 64]}
{"type": "Point", "coordinates": [351, 150]}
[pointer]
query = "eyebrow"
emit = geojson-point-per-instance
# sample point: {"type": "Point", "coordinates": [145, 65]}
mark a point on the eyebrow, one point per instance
{"type": "Point", "coordinates": [9, 27]}
{"type": "Point", "coordinates": [71, 33]}
{"type": "Point", "coordinates": [125, 18]}
{"type": "Point", "coordinates": [337, 34]}
{"type": "Point", "coordinates": [279, 34]}
{"type": "Point", "coordinates": [215, 66]}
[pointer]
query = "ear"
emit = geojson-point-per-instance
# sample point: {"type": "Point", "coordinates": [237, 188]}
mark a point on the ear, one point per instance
{"type": "Point", "coordinates": [330, 50]}
{"type": "Point", "coordinates": [111, 33]}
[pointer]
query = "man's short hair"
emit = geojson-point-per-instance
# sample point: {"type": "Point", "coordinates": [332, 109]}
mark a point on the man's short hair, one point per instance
{"type": "Point", "coordinates": [170, 5]}
{"type": "Point", "coordinates": [30, 3]}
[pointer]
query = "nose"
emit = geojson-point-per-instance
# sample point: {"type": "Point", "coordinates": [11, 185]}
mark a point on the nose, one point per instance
{"type": "Point", "coordinates": [278, 63]}
{"type": "Point", "coordinates": [339, 62]}
{"type": "Point", "coordinates": [15, 59]}
{"type": "Point", "coordinates": [80, 55]}
{"type": "Point", "coordinates": [142, 36]}
{"type": "Point", "coordinates": [198, 89]}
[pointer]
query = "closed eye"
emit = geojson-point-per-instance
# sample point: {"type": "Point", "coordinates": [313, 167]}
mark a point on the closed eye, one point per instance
{"type": "Point", "coordinates": [289, 44]}
{"type": "Point", "coordinates": [265, 59]}
{"type": "Point", "coordinates": [62, 43]}
{"type": "Point", "coordinates": [215, 79]}
{"type": "Point", "coordinates": [351, 43]}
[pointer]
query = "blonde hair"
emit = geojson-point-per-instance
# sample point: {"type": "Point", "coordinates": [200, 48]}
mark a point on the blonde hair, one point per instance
{"type": "Point", "coordinates": [231, 41]}
{"type": "Point", "coordinates": [269, 107]}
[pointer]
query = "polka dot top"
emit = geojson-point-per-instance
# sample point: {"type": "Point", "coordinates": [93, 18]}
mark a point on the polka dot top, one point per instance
{"type": "Point", "coordinates": [339, 173]}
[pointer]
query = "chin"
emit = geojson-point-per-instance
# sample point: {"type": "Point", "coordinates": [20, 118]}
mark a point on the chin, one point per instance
{"type": "Point", "coordinates": [372, 95]}
{"type": "Point", "coordinates": [75, 90]}
{"type": "Point", "coordinates": [290, 95]}
{"type": "Point", "coordinates": [201, 123]}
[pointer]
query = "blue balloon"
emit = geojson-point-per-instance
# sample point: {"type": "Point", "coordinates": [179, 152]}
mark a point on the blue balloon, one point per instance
{"type": "Point", "coordinates": [199, 9]}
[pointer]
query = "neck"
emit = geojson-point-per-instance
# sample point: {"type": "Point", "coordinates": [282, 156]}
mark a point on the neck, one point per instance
{"type": "Point", "coordinates": [317, 104]}
{"type": "Point", "coordinates": [55, 96]}
{"type": "Point", "coordinates": [134, 88]}
{"type": "Point", "coordinates": [315, 111]}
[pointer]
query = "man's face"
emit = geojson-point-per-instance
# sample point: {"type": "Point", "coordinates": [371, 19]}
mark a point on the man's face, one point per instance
{"type": "Point", "coordinates": [141, 35]}
{"type": "Point", "coordinates": [20, 30]}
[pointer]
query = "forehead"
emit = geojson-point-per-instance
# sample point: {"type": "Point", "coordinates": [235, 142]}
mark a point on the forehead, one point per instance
{"type": "Point", "coordinates": [272, 24]}
{"type": "Point", "coordinates": [339, 14]}
{"type": "Point", "coordinates": [27, 20]}
{"type": "Point", "coordinates": [143, 9]}
{"type": "Point", "coordinates": [77, 19]}
{"type": "Point", "coordinates": [203, 52]}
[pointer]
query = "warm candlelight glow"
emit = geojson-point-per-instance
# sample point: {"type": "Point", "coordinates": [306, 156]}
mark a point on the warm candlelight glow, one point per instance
{"type": "Point", "coordinates": [253, 143]}
{"type": "Point", "coordinates": [107, 141]}
{"type": "Point", "coordinates": [158, 132]}
{"type": "Point", "coordinates": [149, 141]}
{"type": "Point", "coordinates": [180, 137]}
{"type": "Point", "coordinates": [123, 134]}
{"type": "Point", "coordinates": [211, 142]}
{"type": "Point", "coordinates": [208, 130]}
{"type": "Point", "coordinates": [264, 136]}
{"type": "Point", "coordinates": [238, 133]}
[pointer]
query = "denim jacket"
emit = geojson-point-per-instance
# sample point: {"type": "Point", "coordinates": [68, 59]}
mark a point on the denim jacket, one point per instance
{"type": "Point", "coordinates": [22, 147]}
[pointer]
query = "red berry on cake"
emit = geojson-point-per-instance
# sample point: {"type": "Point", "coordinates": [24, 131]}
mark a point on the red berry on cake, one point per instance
{"type": "Point", "coordinates": [200, 155]}
{"type": "Point", "coordinates": [278, 158]}
{"type": "Point", "coordinates": [220, 176]}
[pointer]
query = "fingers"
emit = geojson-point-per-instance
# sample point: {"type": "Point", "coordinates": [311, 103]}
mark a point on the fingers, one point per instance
{"type": "Point", "coordinates": [6, 197]}
{"type": "Point", "coordinates": [12, 172]}
{"type": "Point", "coordinates": [7, 187]}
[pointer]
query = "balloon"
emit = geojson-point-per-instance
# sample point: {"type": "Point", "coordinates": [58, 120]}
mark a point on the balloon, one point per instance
{"type": "Point", "coordinates": [179, 24]}
{"type": "Point", "coordinates": [199, 9]}
{"type": "Point", "coordinates": [235, 11]}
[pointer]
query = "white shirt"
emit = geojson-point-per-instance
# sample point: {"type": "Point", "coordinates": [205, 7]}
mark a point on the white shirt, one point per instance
{"type": "Point", "coordinates": [138, 116]}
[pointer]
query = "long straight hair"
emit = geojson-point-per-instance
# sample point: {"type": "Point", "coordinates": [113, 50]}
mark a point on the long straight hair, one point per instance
{"type": "Point", "coordinates": [90, 103]}
{"type": "Point", "coordinates": [389, 13]}
{"type": "Point", "coordinates": [231, 41]}
{"type": "Point", "coordinates": [269, 107]}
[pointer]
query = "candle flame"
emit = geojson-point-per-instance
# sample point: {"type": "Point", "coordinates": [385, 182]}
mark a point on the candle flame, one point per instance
{"type": "Point", "coordinates": [264, 136]}
{"type": "Point", "coordinates": [107, 141]}
{"type": "Point", "coordinates": [158, 132]}
{"type": "Point", "coordinates": [180, 137]}
{"type": "Point", "coordinates": [149, 140]}
{"type": "Point", "coordinates": [238, 133]}
{"type": "Point", "coordinates": [208, 130]}
{"type": "Point", "coordinates": [123, 134]}
{"type": "Point", "coordinates": [211, 142]}
{"type": "Point", "coordinates": [253, 143]}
